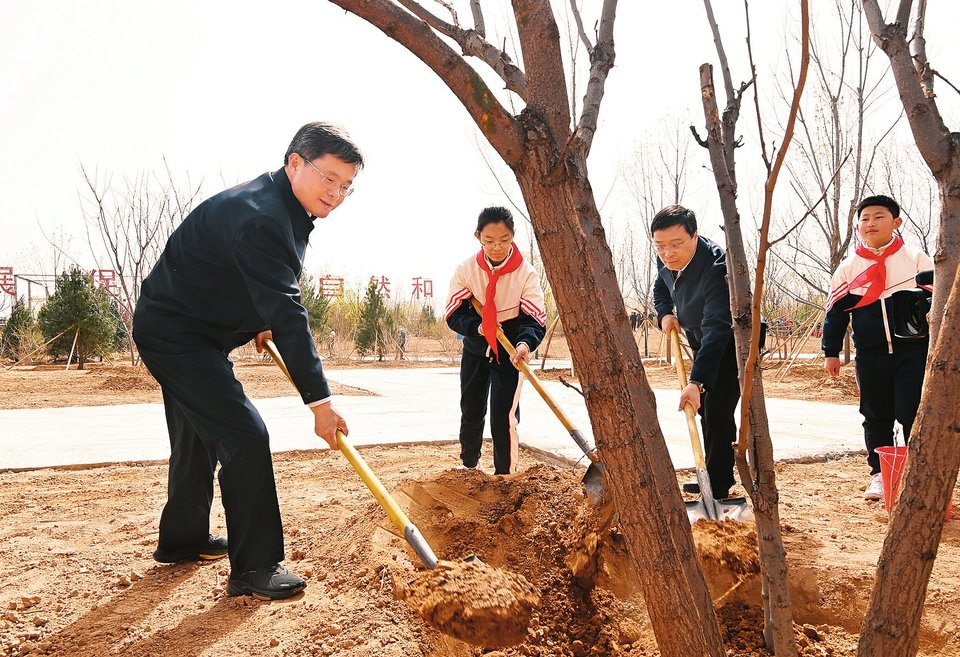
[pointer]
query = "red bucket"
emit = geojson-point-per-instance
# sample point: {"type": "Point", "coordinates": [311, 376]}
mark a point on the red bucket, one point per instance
{"type": "Point", "coordinates": [893, 461]}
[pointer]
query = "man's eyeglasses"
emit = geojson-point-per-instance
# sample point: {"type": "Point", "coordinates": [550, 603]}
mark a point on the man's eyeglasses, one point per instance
{"type": "Point", "coordinates": [330, 183]}
{"type": "Point", "coordinates": [664, 249]}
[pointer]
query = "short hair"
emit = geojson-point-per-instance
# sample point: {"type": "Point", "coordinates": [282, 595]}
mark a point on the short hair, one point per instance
{"type": "Point", "coordinates": [318, 138]}
{"type": "Point", "coordinates": [674, 215]}
{"type": "Point", "coordinates": [495, 214]}
{"type": "Point", "coordinates": [881, 200]}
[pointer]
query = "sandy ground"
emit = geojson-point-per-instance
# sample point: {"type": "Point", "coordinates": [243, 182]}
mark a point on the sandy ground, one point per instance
{"type": "Point", "coordinates": [76, 577]}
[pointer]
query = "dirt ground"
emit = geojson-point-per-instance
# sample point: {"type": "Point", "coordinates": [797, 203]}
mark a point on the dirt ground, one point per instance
{"type": "Point", "coordinates": [76, 577]}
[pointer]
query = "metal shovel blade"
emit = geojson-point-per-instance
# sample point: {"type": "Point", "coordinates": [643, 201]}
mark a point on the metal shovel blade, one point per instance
{"type": "Point", "coordinates": [593, 481]}
{"type": "Point", "coordinates": [731, 508]}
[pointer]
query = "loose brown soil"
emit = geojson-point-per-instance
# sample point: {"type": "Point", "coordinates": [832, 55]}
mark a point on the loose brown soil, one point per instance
{"type": "Point", "coordinates": [76, 577]}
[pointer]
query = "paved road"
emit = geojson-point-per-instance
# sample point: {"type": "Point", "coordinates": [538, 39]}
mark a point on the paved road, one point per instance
{"type": "Point", "coordinates": [409, 405]}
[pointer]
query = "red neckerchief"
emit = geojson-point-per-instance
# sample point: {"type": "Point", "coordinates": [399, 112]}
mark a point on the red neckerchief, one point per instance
{"type": "Point", "coordinates": [489, 317]}
{"type": "Point", "coordinates": [874, 276]}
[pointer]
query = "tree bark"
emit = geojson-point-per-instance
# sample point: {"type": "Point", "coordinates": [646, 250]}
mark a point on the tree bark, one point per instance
{"type": "Point", "coordinates": [639, 472]}
{"type": "Point", "coordinates": [758, 476]}
{"type": "Point", "coordinates": [891, 625]}
{"type": "Point", "coordinates": [548, 157]}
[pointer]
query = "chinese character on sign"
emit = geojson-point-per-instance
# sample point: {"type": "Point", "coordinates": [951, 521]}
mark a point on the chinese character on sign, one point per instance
{"type": "Point", "coordinates": [331, 287]}
{"type": "Point", "coordinates": [8, 283]}
{"type": "Point", "coordinates": [422, 286]}
{"type": "Point", "coordinates": [106, 280]}
{"type": "Point", "coordinates": [383, 285]}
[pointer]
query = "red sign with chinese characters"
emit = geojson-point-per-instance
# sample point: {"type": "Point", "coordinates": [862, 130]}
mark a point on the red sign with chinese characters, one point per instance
{"type": "Point", "coordinates": [422, 287]}
{"type": "Point", "coordinates": [331, 287]}
{"type": "Point", "coordinates": [8, 282]}
{"type": "Point", "coordinates": [106, 280]}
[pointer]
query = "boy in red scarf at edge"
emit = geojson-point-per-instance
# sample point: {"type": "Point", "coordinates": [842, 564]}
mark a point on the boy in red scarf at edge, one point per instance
{"type": "Point", "coordinates": [889, 369]}
{"type": "Point", "coordinates": [509, 289]}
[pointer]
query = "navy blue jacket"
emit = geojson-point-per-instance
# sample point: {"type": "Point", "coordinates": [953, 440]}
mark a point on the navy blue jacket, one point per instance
{"type": "Point", "coordinates": [700, 299]}
{"type": "Point", "coordinates": [230, 271]}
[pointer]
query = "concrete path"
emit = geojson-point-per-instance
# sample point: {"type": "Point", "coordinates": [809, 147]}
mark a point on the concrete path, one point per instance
{"type": "Point", "coordinates": [411, 405]}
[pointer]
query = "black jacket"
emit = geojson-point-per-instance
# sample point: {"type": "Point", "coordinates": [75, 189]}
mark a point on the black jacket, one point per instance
{"type": "Point", "coordinates": [230, 271]}
{"type": "Point", "coordinates": [700, 299]}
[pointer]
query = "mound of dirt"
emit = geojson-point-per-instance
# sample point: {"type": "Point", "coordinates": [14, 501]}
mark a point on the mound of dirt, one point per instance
{"type": "Point", "coordinates": [77, 580]}
{"type": "Point", "coordinates": [124, 381]}
{"type": "Point", "coordinates": [473, 602]}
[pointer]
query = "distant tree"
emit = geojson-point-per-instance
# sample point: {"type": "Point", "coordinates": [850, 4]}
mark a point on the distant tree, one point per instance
{"type": "Point", "coordinates": [428, 315]}
{"type": "Point", "coordinates": [78, 309]}
{"type": "Point", "coordinates": [128, 226]}
{"type": "Point", "coordinates": [18, 323]}
{"type": "Point", "coordinates": [317, 305]}
{"type": "Point", "coordinates": [374, 325]}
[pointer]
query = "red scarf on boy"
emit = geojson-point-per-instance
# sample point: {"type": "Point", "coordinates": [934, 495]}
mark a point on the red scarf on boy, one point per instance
{"type": "Point", "coordinates": [489, 317]}
{"type": "Point", "coordinates": [874, 276]}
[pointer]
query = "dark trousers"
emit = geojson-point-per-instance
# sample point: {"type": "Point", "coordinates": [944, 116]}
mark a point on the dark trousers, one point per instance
{"type": "Point", "coordinates": [210, 419]}
{"type": "Point", "coordinates": [718, 408]}
{"type": "Point", "coordinates": [890, 386]}
{"type": "Point", "coordinates": [482, 379]}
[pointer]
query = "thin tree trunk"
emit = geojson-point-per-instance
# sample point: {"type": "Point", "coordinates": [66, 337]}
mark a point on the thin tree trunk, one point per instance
{"type": "Point", "coordinates": [758, 476]}
{"type": "Point", "coordinates": [546, 348]}
{"type": "Point", "coordinates": [891, 625]}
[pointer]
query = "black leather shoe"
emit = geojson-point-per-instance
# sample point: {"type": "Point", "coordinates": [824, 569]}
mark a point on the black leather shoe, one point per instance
{"type": "Point", "coordinates": [214, 548]}
{"type": "Point", "coordinates": [269, 583]}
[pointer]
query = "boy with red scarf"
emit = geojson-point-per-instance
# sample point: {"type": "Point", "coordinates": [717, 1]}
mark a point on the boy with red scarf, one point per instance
{"type": "Point", "coordinates": [509, 290]}
{"type": "Point", "coordinates": [889, 368]}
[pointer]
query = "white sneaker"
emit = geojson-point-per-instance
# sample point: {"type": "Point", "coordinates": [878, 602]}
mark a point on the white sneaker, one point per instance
{"type": "Point", "coordinates": [477, 467]}
{"type": "Point", "coordinates": [875, 489]}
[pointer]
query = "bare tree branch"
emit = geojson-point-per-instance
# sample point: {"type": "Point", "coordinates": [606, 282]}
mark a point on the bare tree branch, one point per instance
{"type": "Point", "coordinates": [601, 61]}
{"type": "Point", "coordinates": [478, 23]}
{"type": "Point", "coordinates": [501, 128]}
{"type": "Point", "coordinates": [814, 206]}
{"type": "Point", "coordinates": [473, 43]}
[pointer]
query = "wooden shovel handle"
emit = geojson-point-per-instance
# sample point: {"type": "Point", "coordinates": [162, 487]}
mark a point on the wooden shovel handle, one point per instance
{"type": "Point", "coordinates": [393, 510]}
{"type": "Point", "coordinates": [691, 414]}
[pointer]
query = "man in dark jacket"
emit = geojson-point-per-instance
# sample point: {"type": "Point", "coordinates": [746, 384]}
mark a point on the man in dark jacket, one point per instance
{"type": "Point", "coordinates": [228, 275]}
{"type": "Point", "coordinates": [691, 292]}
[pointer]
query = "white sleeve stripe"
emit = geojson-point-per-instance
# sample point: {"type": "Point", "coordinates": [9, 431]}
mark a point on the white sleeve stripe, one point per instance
{"type": "Point", "coordinates": [537, 313]}
{"type": "Point", "coordinates": [455, 301]}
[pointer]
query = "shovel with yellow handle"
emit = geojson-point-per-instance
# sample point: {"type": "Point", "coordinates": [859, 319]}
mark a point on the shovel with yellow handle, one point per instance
{"type": "Point", "coordinates": [593, 479]}
{"type": "Point", "coordinates": [707, 507]}
{"type": "Point", "coordinates": [394, 512]}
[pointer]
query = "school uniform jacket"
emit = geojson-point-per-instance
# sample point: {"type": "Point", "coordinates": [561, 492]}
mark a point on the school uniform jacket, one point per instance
{"type": "Point", "coordinates": [520, 305]}
{"type": "Point", "coordinates": [230, 271]}
{"type": "Point", "coordinates": [700, 298]}
{"type": "Point", "coordinates": [872, 324]}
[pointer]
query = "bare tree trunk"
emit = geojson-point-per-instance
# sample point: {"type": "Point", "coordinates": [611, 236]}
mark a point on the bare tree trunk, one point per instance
{"type": "Point", "coordinates": [758, 477]}
{"type": "Point", "coordinates": [547, 151]}
{"type": "Point", "coordinates": [891, 625]}
{"type": "Point", "coordinates": [642, 480]}
{"type": "Point", "coordinates": [892, 622]}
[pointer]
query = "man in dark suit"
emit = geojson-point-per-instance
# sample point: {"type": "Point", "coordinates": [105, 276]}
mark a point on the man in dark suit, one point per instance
{"type": "Point", "coordinates": [691, 292]}
{"type": "Point", "coordinates": [228, 275]}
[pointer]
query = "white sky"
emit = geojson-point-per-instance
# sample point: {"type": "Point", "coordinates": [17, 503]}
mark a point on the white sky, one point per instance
{"type": "Point", "coordinates": [219, 88]}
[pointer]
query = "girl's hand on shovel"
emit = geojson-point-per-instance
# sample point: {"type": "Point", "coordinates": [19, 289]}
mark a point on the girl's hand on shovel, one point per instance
{"type": "Point", "coordinates": [327, 421]}
{"type": "Point", "coordinates": [690, 395]}
{"type": "Point", "coordinates": [522, 351]}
